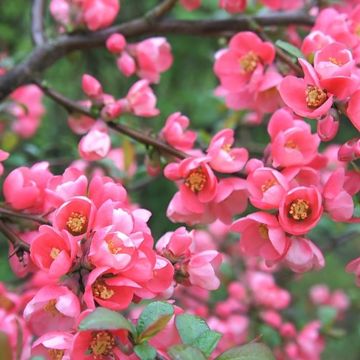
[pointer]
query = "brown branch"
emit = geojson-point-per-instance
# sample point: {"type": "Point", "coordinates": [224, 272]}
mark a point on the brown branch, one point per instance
{"type": "Point", "coordinates": [45, 55]}
{"type": "Point", "coordinates": [10, 213]}
{"type": "Point", "coordinates": [141, 137]}
{"type": "Point", "coordinates": [19, 245]}
{"type": "Point", "coordinates": [37, 23]}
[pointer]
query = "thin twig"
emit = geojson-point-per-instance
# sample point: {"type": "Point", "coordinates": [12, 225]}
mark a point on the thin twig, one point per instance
{"type": "Point", "coordinates": [46, 55]}
{"type": "Point", "coordinates": [19, 245]}
{"type": "Point", "coordinates": [10, 213]}
{"type": "Point", "coordinates": [37, 23]}
{"type": "Point", "coordinates": [141, 137]}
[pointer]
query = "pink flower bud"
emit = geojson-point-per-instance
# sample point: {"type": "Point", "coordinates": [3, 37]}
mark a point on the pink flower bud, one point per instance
{"type": "Point", "coordinates": [350, 150]}
{"type": "Point", "coordinates": [126, 64]}
{"type": "Point", "coordinates": [233, 6]}
{"type": "Point", "coordinates": [327, 128]}
{"type": "Point", "coordinates": [91, 87]}
{"type": "Point", "coordinates": [95, 145]}
{"type": "Point", "coordinates": [116, 43]}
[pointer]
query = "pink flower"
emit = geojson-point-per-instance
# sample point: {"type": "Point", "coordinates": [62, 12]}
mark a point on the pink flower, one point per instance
{"type": "Point", "coordinates": [266, 188]}
{"type": "Point", "coordinates": [319, 294]}
{"type": "Point", "coordinates": [75, 216]}
{"type": "Point", "coordinates": [316, 40]}
{"type": "Point", "coordinates": [300, 210]}
{"type": "Point", "coordinates": [190, 5]}
{"type": "Point", "coordinates": [338, 202]}
{"type": "Point", "coordinates": [116, 43]}
{"type": "Point", "coordinates": [3, 156]}
{"type": "Point", "coordinates": [141, 100]}
{"type": "Point", "coordinates": [202, 268]}
{"type": "Point", "coordinates": [174, 132]}
{"type": "Point", "coordinates": [126, 64]}
{"type": "Point", "coordinates": [223, 157]}
{"type": "Point", "coordinates": [231, 199]}
{"type": "Point", "coordinates": [60, 10]}
{"type": "Point", "coordinates": [248, 50]}
{"type": "Point", "coordinates": [310, 342]}
{"type": "Point", "coordinates": [99, 14]}
{"type": "Point", "coordinates": [199, 183]}
{"type": "Point", "coordinates": [153, 56]}
{"type": "Point", "coordinates": [353, 109]}
{"type": "Point", "coordinates": [114, 292]}
{"type": "Point", "coordinates": [283, 4]}
{"type": "Point", "coordinates": [354, 267]}
{"type": "Point", "coordinates": [261, 235]}
{"type": "Point", "coordinates": [95, 145]}
{"type": "Point", "coordinates": [54, 342]}
{"type": "Point", "coordinates": [303, 255]}
{"type": "Point", "coordinates": [306, 97]}
{"type": "Point", "coordinates": [53, 251]}
{"type": "Point", "coordinates": [328, 127]}
{"type": "Point", "coordinates": [81, 124]}
{"type": "Point", "coordinates": [24, 188]}
{"type": "Point", "coordinates": [350, 150]}
{"type": "Point", "coordinates": [52, 308]}
{"type": "Point", "coordinates": [233, 6]}
{"type": "Point", "coordinates": [91, 87]}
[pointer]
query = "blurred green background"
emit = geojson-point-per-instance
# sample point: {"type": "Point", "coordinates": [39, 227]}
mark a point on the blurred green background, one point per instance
{"type": "Point", "coordinates": [187, 87]}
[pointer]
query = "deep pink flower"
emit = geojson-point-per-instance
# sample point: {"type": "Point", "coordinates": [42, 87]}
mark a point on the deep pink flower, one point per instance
{"type": "Point", "coordinates": [283, 4]}
{"type": "Point", "coordinates": [52, 308]}
{"type": "Point", "coordinates": [306, 97]}
{"type": "Point", "coordinates": [53, 251]}
{"type": "Point", "coordinates": [54, 343]}
{"type": "Point", "coordinates": [190, 5]}
{"type": "Point", "coordinates": [233, 6]}
{"type": "Point", "coordinates": [3, 156]}
{"type": "Point", "coordinates": [247, 50]}
{"type": "Point", "coordinates": [261, 235]}
{"type": "Point", "coordinates": [174, 132]}
{"type": "Point", "coordinates": [316, 40]}
{"type": "Point", "coordinates": [300, 210]}
{"type": "Point", "coordinates": [350, 150]}
{"type": "Point", "coordinates": [116, 43]}
{"type": "Point", "coordinates": [175, 244]}
{"type": "Point", "coordinates": [353, 109]}
{"type": "Point", "coordinates": [224, 158]}
{"type": "Point", "coordinates": [328, 127]}
{"type": "Point", "coordinates": [100, 13]}
{"type": "Point", "coordinates": [91, 87]}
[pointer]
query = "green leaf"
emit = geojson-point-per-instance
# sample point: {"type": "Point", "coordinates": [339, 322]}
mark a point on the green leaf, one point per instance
{"type": "Point", "coordinates": [145, 351]}
{"type": "Point", "coordinates": [248, 352]}
{"type": "Point", "coordinates": [153, 319]}
{"type": "Point", "coordinates": [290, 49]}
{"type": "Point", "coordinates": [327, 315]}
{"type": "Point", "coordinates": [185, 352]}
{"type": "Point", "coordinates": [6, 353]}
{"type": "Point", "coordinates": [194, 331]}
{"type": "Point", "coordinates": [104, 319]}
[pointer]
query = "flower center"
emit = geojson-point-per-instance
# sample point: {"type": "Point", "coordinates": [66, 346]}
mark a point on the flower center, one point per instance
{"type": "Point", "coordinates": [249, 62]}
{"type": "Point", "coordinates": [335, 61]}
{"type": "Point", "coordinates": [290, 144]}
{"type": "Point", "coordinates": [299, 209]}
{"type": "Point", "coordinates": [54, 253]}
{"type": "Point", "coordinates": [264, 231]}
{"type": "Point", "coordinates": [113, 248]}
{"type": "Point", "coordinates": [5, 303]}
{"type": "Point", "coordinates": [196, 180]}
{"type": "Point", "coordinates": [268, 184]}
{"type": "Point", "coordinates": [51, 308]}
{"type": "Point", "coordinates": [100, 290]}
{"type": "Point", "coordinates": [315, 96]}
{"type": "Point", "coordinates": [226, 147]}
{"type": "Point", "coordinates": [56, 354]}
{"type": "Point", "coordinates": [102, 344]}
{"type": "Point", "coordinates": [76, 223]}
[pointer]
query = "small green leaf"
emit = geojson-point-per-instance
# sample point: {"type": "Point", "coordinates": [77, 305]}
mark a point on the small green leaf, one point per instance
{"type": "Point", "coordinates": [190, 327]}
{"type": "Point", "coordinates": [207, 341]}
{"type": "Point", "coordinates": [185, 352]}
{"type": "Point", "coordinates": [248, 352]}
{"type": "Point", "coordinates": [145, 351]}
{"type": "Point", "coordinates": [6, 353]}
{"type": "Point", "coordinates": [327, 315]}
{"type": "Point", "coordinates": [104, 319]}
{"type": "Point", "coordinates": [153, 319]}
{"type": "Point", "coordinates": [290, 49]}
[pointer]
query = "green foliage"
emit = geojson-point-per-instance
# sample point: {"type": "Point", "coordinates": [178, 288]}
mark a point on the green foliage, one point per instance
{"type": "Point", "coordinates": [248, 352]}
{"type": "Point", "coordinates": [104, 319]}
{"type": "Point", "coordinates": [185, 352]}
{"type": "Point", "coordinates": [290, 49]}
{"type": "Point", "coordinates": [145, 351]}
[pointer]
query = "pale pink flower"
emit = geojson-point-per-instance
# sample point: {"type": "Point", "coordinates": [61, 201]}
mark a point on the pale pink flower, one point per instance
{"type": "Point", "coordinates": [95, 145]}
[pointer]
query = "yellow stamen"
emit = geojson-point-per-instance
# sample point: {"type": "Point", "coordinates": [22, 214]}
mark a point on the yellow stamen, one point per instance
{"type": "Point", "coordinates": [54, 253]}
{"type": "Point", "coordinates": [268, 184]}
{"type": "Point", "coordinates": [249, 62]}
{"type": "Point", "coordinates": [113, 248]}
{"type": "Point", "coordinates": [264, 231]}
{"type": "Point", "coordinates": [56, 354]}
{"type": "Point", "coordinates": [76, 223]}
{"type": "Point", "coordinates": [102, 344]}
{"type": "Point", "coordinates": [196, 180]}
{"type": "Point", "coordinates": [6, 303]}
{"type": "Point", "coordinates": [50, 307]}
{"type": "Point", "coordinates": [315, 96]}
{"type": "Point", "coordinates": [299, 209]}
{"type": "Point", "coordinates": [100, 290]}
